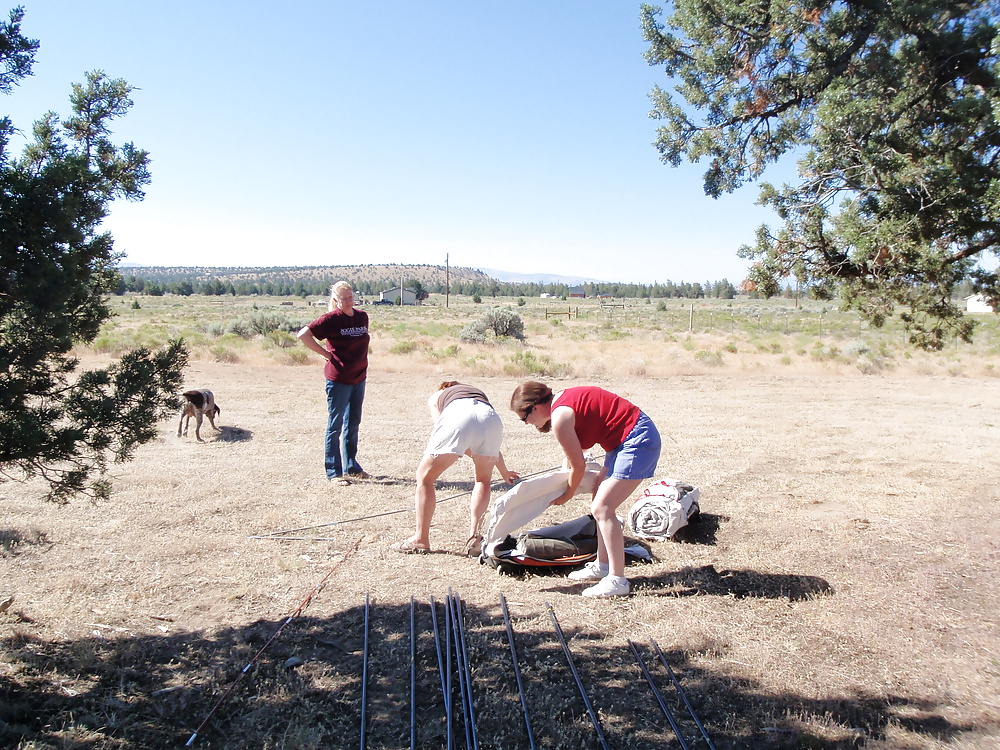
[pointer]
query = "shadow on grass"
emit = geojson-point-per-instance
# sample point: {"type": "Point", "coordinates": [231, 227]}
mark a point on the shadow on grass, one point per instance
{"type": "Point", "coordinates": [233, 435]}
{"type": "Point", "coordinates": [701, 531]}
{"type": "Point", "coordinates": [152, 691]}
{"type": "Point", "coordinates": [741, 584]}
{"type": "Point", "coordinates": [12, 539]}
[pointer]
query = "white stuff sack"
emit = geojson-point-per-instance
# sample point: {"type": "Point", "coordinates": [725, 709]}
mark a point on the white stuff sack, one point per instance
{"type": "Point", "coordinates": [527, 500]}
{"type": "Point", "coordinates": [663, 509]}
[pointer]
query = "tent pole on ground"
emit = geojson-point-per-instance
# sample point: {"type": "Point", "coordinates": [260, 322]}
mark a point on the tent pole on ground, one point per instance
{"type": "Point", "coordinates": [298, 610]}
{"type": "Point", "coordinates": [576, 676]}
{"type": "Point", "coordinates": [683, 695]}
{"type": "Point", "coordinates": [517, 672]}
{"type": "Point", "coordinates": [658, 695]}
{"type": "Point", "coordinates": [364, 677]}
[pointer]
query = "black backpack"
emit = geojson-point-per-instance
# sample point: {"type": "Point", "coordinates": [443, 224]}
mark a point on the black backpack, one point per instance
{"type": "Point", "coordinates": [562, 547]}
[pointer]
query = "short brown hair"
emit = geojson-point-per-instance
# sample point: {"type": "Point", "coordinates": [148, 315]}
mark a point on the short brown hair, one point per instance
{"type": "Point", "coordinates": [528, 395]}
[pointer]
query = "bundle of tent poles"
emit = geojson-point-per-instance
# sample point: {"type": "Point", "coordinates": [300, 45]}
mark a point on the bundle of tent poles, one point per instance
{"type": "Point", "coordinates": [456, 683]}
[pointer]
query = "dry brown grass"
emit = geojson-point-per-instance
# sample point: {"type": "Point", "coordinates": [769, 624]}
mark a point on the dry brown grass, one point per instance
{"type": "Point", "coordinates": [839, 592]}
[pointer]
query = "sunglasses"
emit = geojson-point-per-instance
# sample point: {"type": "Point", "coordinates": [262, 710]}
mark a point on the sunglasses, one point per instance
{"type": "Point", "coordinates": [524, 417]}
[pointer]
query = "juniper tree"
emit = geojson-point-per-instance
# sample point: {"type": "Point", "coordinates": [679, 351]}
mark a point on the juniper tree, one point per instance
{"type": "Point", "coordinates": [892, 110]}
{"type": "Point", "coordinates": [56, 270]}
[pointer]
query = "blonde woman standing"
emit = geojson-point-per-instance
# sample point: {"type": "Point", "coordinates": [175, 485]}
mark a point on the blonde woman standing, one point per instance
{"type": "Point", "coordinates": [345, 331]}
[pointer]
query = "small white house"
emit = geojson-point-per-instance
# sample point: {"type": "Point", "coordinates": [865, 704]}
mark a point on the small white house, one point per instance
{"type": "Point", "coordinates": [977, 304]}
{"type": "Point", "coordinates": [392, 295]}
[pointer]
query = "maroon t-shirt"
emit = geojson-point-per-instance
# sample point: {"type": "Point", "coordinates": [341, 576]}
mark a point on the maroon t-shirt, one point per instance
{"type": "Point", "coordinates": [601, 416]}
{"type": "Point", "coordinates": [347, 338]}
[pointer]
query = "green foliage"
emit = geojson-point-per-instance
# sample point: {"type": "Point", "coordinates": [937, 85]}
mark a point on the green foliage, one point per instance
{"type": "Point", "coordinates": [301, 281]}
{"type": "Point", "coordinates": [709, 358]}
{"type": "Point", "coordinates": [222, 353]}
{"type": "Point", "coordinates": [449, 352]}
{"type": "Point", "coordinates": [524, 362]}
{"type": "Point", "coordinates": [57, 270]}
{"type": "Point", "coordinates": [892, 109]}
{"type": "Point", "coordinates": [261, 323]}
{"type": "Point", "coordinates": [404, 347]}
{"type": "Point", "coordinates": [281, 339]}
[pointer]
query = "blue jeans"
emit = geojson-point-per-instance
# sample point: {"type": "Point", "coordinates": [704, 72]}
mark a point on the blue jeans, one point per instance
{"type": "Point", "coordinates": [344, 403]}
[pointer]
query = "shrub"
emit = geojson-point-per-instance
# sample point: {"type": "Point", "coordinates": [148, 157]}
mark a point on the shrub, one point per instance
{"type": "Point", "coordinates": [281, 339]}
{"type": "Point", "coordinates": [474, 333]}
{"type": "Point", "coordinates": [298, 356]}
{"type": "Point", "coordinates": [224, 354]}
{"type": "Point", "coordinates": [403, 347]}
{"type": "Point", "coordinates": [446, 353]}
{"type": "Point", "coordinates": [870, 363]}
{"type": "Point", "coordinates": [614, 334]}
{"type": "Point", "coordinates": [524, 362]}
{"type": "Point", "coordinates": [709, 359]}
{"type": "Point", "coordinates": [260, 323]}
{"type": "Point", "coordinates": [501, 322]}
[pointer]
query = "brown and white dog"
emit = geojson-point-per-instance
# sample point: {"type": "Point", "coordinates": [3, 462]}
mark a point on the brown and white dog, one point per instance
{"type": "Point", "coordinates": [198, 404]}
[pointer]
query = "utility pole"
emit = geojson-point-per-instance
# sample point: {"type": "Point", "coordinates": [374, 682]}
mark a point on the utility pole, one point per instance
{"type": "Point", "coordinates": [447, 281]}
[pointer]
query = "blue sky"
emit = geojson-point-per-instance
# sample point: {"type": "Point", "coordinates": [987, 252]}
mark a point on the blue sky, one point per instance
{"type": "Point", "coordinates": [509, 136]}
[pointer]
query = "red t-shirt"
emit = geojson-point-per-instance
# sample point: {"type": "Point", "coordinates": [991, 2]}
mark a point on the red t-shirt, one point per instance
{"type": "Point", "coordinates": [347, 338]}
{"type": "Point", "coordinates": [601, 416]}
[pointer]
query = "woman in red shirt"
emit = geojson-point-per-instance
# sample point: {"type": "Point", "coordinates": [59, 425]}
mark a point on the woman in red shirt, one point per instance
{"type": "Point", "coordinates": [581, 418]}
{"type": "Point", "coordinates": [345, 330]}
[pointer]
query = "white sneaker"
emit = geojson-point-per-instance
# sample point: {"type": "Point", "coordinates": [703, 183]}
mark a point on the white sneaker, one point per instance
{"type": "Point", "coordinates": [592, 571]}
{"type": "Point", "coordinates": [609, 586]}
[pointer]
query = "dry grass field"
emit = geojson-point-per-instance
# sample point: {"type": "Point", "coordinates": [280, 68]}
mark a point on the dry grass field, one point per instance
{"type": "Point", "coordinates": [840, 590]}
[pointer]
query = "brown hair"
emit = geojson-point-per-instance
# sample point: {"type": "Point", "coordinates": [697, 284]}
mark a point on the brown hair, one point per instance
{"type": "Point", "coordinates": [528, 395]}
{"type": "Point", "coordinates": [448, 384]}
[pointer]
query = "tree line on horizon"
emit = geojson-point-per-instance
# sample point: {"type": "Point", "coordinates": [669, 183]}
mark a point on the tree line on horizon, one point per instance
{"type": "Point", "coordinates": [285, 285]}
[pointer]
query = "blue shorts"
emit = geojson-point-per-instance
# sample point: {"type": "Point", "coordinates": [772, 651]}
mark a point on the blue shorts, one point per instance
{"type": "Point", "coordinates": [637, 457]}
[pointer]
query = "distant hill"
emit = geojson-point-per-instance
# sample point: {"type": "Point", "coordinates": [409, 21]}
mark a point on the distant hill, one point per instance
{"type": "Point", "coordinates": [390, 274]}
{"type": "Point", "coordinates": [540, 278]}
